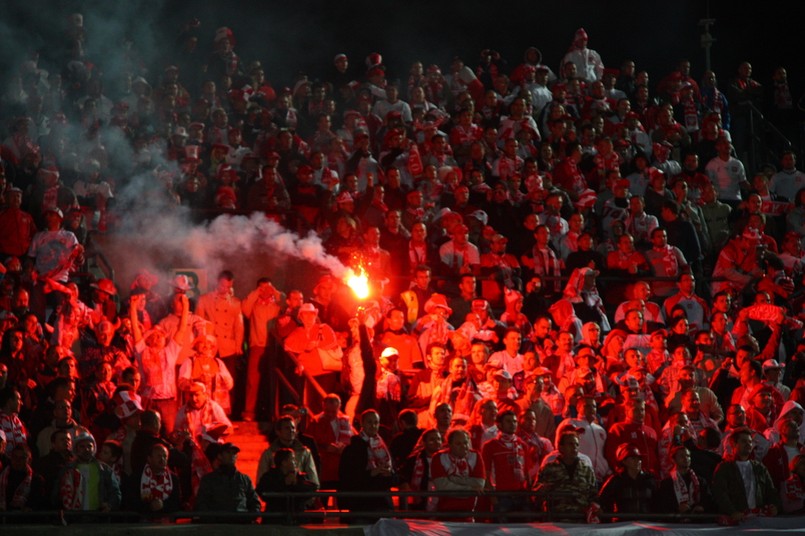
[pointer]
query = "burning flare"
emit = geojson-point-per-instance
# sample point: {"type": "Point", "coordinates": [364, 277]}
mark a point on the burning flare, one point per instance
{"type": "Point", "coordinates": [358, 282]}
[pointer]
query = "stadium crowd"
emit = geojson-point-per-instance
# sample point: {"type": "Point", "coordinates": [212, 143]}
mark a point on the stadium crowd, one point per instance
{"type": "Point", "coordinates": [486, 203]}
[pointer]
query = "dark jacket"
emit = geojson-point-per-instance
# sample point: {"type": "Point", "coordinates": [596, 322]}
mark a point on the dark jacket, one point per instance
{"type": "Point", "coordinates": [274, 482]}
{"type": "Point", "coordinates": [132, 499]}
{"type": "Point", "coordinates": [227, 490]}
{"type": "Point", "coordinates": [728, 488]}
{"type": "Point", "coordinates": [622, 493]}
{"type": "Point", "coordinates": [666, 496]}
{"type": "Point", "coordinates": [354, 476]}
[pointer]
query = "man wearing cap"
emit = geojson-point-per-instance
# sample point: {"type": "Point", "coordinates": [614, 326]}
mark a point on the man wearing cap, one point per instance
{"type": "Point", "coordinates": [433, 327]}
{"type": "Point", "coordinates": [742, 486]}
{"type": "Point", "coordinates": [88, 484]}
{"type": "Point", "coordinates": [226, 489]}
{"type": "Point", "coordinates": [128, 409]}
{"type": "Point", "coordinates": [630, 489]}
{"type": "Point", "coordinates": [772, 374]}
{"type": "Point", "coordinates": [304, 345]}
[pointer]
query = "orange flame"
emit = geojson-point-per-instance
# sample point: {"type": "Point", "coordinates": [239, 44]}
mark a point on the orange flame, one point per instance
{"type": "Point", "coordinates": [358, 282]}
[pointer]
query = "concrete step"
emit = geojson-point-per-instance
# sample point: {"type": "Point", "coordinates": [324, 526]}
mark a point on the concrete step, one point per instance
{"type": "Point", "coordinates": [251, 441]}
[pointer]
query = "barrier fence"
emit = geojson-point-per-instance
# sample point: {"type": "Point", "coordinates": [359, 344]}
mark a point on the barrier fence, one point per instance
{"type": "Point", "coordinates": [285, 508]}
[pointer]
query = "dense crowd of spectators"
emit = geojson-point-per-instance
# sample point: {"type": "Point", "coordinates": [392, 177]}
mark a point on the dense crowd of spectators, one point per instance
{"type": "Point", "coordinates": [485, 204]}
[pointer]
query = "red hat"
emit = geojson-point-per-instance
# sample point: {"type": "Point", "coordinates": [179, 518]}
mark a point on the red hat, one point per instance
{"type": "Point", "coordinates": [221, 146]}
{"type": "Point", "coordinates": [105, 285]}
{"type": "Point", "coordinates": [655, 173]}
{"type": "Point", "coordinates": [55, 210]}
{"type": "Point", "coordinates": [127, 403]}
{"type": "Point", "coordinates": [374, 60]}
{"type": "Point", "coordinates": [480, 303]}
{"type": "Point", "coordinates": [627, 450]}
{"type": "Point", "coordinates": [307, 308]}
{"type": "Point", "coordinates": [437, 301]}
{"type": "Point", "coordinates": [191, 153]}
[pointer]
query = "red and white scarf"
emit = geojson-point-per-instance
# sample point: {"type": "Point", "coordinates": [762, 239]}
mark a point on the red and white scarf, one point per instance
{"type": "Point", "coordinates": [516, 447]}
{"type": "Point", "coordinates": [14, 429]}
{"type": "Point", "coordinates": [459, 466]}
{"type": "Point", "coordinates": [686, 493]}
{"type": "Point", "coordinates": [669, 260]}
{"type": "Point", "coordinates": [73, 489]}
{"type": "Point", "coordinates": [379, 456]}
{"type": "Point", "coordinates": [342, 430]}
{"type": "Point", "coordinates": [21, 494]}
{"type": "Point", "coordinates": [421, 467]}
{"type": "Point", "coordinates": [153, 486]}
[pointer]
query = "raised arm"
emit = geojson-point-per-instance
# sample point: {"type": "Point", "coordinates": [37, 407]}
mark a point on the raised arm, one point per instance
{"type": "Point", "coordinates": [183, 324]}
{"type": "Point", "coordinates": [134, 306]}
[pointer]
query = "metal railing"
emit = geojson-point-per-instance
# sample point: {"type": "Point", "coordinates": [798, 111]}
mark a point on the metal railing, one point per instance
{"type": "Point", "coordinates": [767, 141]}
{"type": "Point", "coordinates": [295, 513]}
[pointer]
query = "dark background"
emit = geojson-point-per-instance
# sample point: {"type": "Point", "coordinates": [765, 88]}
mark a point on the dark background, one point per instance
{"type": "Point", "coordinates": [305, 35]}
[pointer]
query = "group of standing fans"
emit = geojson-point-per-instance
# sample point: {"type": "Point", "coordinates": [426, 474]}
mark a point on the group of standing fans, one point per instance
{"type": "Point", "coordinates": [485, 205]}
